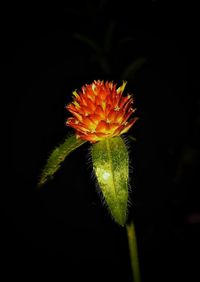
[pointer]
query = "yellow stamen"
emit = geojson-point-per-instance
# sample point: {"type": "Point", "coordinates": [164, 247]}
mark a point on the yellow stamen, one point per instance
{"type": "Point", "coordinates": [103, 105]}
{"type": "Point", "coordinates": [121, 88]}
{"type": "Point", "coordinates": [117, 108]}
{"type": "Point", "coordinates": [76, 104]}
{"type": "Point", "coordinates": [75, 93]}
{"type": "Point", "coordinates": [93, 87]}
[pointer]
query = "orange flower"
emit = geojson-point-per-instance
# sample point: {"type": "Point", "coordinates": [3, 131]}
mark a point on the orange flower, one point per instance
{"type": "Point", "coordinates": [100, 111]}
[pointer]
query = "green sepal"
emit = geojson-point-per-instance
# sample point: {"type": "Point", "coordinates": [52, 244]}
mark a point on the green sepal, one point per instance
{"type": "Point", "coordinates": [57, 156]}
{"type": "Point", "coordinates": [111, 166]}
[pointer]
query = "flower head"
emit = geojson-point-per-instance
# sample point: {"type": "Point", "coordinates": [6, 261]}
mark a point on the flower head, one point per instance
{"type": "Point", "coordinates": [100, 110]}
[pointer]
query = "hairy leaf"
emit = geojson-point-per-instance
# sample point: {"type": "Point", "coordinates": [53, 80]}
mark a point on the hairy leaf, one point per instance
{"type": "Point", "coordinates": [58, 156]}
{"type": "Point", "coordinates": [110, 161]}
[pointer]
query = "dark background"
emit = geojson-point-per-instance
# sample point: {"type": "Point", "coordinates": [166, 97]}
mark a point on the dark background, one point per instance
{"type": "Point", "coordinates": [62, 231]}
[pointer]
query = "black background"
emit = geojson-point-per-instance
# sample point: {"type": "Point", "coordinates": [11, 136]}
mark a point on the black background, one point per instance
{"type": "Point", "coordinates": [63, 231]}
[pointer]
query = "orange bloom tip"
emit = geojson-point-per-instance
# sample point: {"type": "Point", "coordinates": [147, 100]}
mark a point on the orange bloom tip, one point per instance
{"type": "Point", "coordinates": [100, 110]}
{"type": "Point", "coordinates": [122, 87]}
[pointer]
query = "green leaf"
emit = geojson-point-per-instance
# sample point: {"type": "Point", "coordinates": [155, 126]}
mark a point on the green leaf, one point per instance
{"type": "Point", "coordinates": [110, 161]}
{"type": "Point", "coordinates": [87, 41]}
{"type": "Point", "coordinates": [124, 41]}
{"type": "Point", "coordinates": [99, 52]}
{"type": "Point", "coordinates": [109, 36]}
{"type": "Point", "coordinates": [131, 69]}
{"type": "Point", "coordinates": [58, 156]}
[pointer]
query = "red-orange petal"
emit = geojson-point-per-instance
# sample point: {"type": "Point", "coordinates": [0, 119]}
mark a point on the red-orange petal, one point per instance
{"type": "Point", "coordinates": [102, 126]}
{"type": "Point", "coordinates": [99, 111]}
{"type": "Point", "coordinates": [129, 125]}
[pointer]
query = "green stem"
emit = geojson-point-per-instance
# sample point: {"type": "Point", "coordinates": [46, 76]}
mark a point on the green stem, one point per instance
{"type": "Point", "coordinates": [132, 242]}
